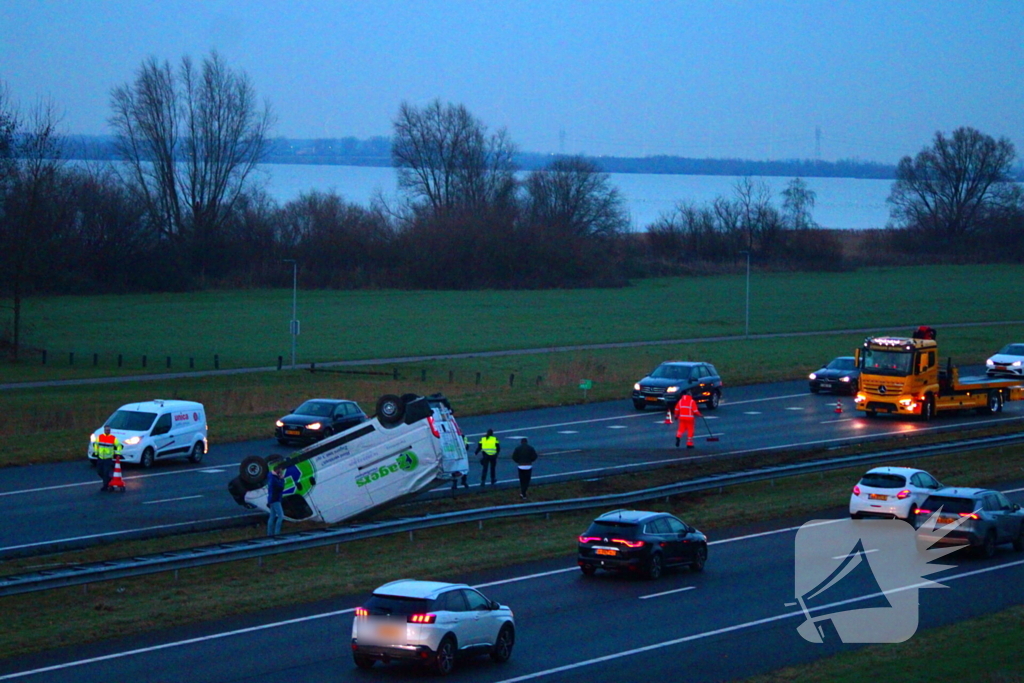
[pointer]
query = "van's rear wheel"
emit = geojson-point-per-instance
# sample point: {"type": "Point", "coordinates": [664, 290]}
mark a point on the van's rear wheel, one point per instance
{"type": "Point", "coordinates": [253, 471]}
{"type": "Point", "coordinates": [197, 453]}
{"type": "Point", "coordinates": [390, 410]}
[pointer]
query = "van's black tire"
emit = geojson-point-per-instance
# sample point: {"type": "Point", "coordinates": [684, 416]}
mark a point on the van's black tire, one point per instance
{"type": "Point", "coordinates": [148, 458]}
{"type": "Point", "coordinates": [253, 471]}
{"type": "Point", "coordinates": [390, 410]}
{"type": "Point", "coordinates": [196, 456]}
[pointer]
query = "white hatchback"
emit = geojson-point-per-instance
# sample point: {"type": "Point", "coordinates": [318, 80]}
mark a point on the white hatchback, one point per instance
{"type": "Point", "coordinates": [431, 623]}
{"type": "Point", "coordinates": [891, 492]}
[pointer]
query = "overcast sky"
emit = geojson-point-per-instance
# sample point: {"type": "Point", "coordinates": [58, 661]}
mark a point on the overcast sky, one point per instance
{"type": "Point", "coordinates": [751, 80]}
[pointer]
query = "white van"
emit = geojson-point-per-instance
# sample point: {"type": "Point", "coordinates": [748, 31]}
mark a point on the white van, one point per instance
{"type": "Point", "coordinates": [157, 430]}
{"type": "Point", "coordinates": [413, 443]}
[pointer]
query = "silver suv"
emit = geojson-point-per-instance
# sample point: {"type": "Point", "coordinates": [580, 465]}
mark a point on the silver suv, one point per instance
{"type": "Point", "coordinates": [987, 518]}
{"type": "Point", "coordinates": [431, 623]}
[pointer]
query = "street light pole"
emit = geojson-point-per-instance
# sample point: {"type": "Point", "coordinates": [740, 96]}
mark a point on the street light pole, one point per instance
{"type": "Point", "coordinates": [746, 317]}
{"type": "Point", "coordinates": [294, 325]}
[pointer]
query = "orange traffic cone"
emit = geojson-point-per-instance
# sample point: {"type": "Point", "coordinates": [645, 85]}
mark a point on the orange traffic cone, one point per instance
{"type": "Point", "coordinates": [116, 482]}
{"type": "Point", "coordinates": [839, 406]}
{"type": "Point", "coordinates": [668, 418]}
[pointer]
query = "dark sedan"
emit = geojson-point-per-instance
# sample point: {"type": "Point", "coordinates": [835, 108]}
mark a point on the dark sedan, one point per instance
{"type": "Point", "coordinates": [667, 382]}
{"type": "Point", "coordinates": [641, 542]}
{"type": "Point", "coordinates": [317, 419]}
{"type": "Point", "coordinates": [839, 375]}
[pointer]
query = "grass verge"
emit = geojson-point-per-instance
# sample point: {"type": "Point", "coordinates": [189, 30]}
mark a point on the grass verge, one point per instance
{"type": "Point", "coordinates": [73, 616]}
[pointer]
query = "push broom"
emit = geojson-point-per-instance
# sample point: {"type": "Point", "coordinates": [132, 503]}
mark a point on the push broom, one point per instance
{"type": "Point", "coordinates": [711, 437]}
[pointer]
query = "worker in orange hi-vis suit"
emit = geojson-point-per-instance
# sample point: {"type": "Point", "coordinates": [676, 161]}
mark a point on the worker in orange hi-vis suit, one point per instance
{"type": "Point", "coordinates": [685, 411]}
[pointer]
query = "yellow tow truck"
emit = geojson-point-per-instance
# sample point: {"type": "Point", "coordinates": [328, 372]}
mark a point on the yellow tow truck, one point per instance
{"type": "Point", "coordinates": [901, 376]}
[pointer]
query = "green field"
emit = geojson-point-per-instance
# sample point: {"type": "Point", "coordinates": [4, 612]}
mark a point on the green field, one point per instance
{"type": "Point", "coordinates": [250, 328]}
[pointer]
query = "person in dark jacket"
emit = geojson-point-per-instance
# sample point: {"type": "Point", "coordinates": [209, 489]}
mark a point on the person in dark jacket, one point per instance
{"type": "Point", "coordinates": [524, 456]}
{"type": "Point", "coordinates": [275, 493]}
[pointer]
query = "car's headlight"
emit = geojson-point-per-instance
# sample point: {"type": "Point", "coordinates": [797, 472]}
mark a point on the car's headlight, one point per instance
{"type": "Point", "coordinates": [813, 375]}
{"type": "Point", "coordinates": [132, 440]}
{"type": "Point", "coordinates": [844, 379]}
{"type": "Point", "coordinates": [1016, 363]}
{"type": "Point", "coordinates": [314, 426]}
{"type": "Point", "coordinates": [279, 423]}
{"type": "Point", "coordinates": [92, 438]}
{"type": "Point", "coordinates": [990, 363]}
{"type": "Point", "coordinates": [636, 387]}
{"type": "Point", "coordinates": [671, 390]}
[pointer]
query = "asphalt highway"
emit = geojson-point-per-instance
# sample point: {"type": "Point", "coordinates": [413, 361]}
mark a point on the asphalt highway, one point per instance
{"type": "Point", "coordinates": [735, 619]}
{"type": "Point", "coordinates": [50, 506]}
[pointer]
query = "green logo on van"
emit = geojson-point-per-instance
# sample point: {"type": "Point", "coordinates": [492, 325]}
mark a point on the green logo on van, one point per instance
{"type": "Point", "coordinates": [406, 462]}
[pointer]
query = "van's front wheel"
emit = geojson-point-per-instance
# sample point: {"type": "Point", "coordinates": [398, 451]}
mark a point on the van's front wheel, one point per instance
{"type": "Point", "coordinates": [148, 457]}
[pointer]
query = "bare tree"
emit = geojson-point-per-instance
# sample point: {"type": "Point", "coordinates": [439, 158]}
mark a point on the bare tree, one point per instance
{"type": "Point", "coordinates": [30, 203]}
{"type": "Point", "coordinates": [576, 198]}
{"type": "Point", "coordinates": [947, 188]}
{"type": "Point", "coordinates": [191, 140]}
{"type": "Point", "coordinates": [797, 202]}
{"type": "Point", "coordinates": [445, 157]}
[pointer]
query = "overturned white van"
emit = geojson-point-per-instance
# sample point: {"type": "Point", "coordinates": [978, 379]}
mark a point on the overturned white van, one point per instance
{"type": "Point", "coordinates": [157, 430]}
{"type": "Point", "coordinates": [413, 443]}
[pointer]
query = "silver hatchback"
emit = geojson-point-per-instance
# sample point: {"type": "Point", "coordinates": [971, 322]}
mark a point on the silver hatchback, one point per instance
{"type": "Point", "coordinates": [431, 623]}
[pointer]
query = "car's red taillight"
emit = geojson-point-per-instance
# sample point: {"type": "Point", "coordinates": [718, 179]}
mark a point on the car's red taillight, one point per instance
{"type": "Point", "coordinates": [362, 612]}
{"type": "Point", "coordinates": [589, 539]}
{"type": "Point", "coordinates": [903, 494]}
{"type": "Point", "coordinates": [972, 515]}
{"type": "Point", "coordinates": [422, 618]}
{"type": "Point", "coordinates": [628, 544]}
{"type": "Point", "coordinates": [856, 490]}
{"type": "Point", "coordinates": [433, 429]}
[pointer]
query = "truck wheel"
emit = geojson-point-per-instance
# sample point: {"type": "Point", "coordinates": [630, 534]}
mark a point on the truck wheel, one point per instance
{"type": "Point", "coordinates": [390, 410]}
{"type": "Point", "coordinates": [928, 409]}
{"type": "Point", "coordinates": [253, 471]}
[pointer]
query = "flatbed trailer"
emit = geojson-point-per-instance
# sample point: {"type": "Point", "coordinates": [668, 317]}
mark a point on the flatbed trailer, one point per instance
{"type": "Point", "coordinates": [902, 376]}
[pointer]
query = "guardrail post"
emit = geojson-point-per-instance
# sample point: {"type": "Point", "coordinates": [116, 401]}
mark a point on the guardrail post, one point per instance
{"type": "Point", "coordinates": [412, 536]}
{"type": "Point", "coordinates": [512, 379]}
{"type": "Point", "coordinates": [168, 362]}
{"type": "Point", "coordinates": [95, 359]}
{"type": "Point", "coordinates": [191, 363]}
{"type": "Point", "coordinates": [120, 360]}
{"type": "Point", "coordinates": [480, 524]}
{"type": "Point", "coordinates": [44, 356]}
{"type": "Point", "coordinates": [280, 362]}
{"type": "Point", "coordinates": [216, 361]}
{"type": "Point", "coordinates": [312, 366]}
{"type": "Point", "coordinates": [394, 373]}
{"type": "Point", "coordinates": [539, 380]}
{"type": "Point", "coordinates": [71, 358]}
{"type": "Point", "coordinates": [143, 361]}
{"type": "Point", "coordinates": [451, 376]}
{"type": "Point", "coordinates": [478, 378]}
{"type": "Point", "coordinates": [423, 375]}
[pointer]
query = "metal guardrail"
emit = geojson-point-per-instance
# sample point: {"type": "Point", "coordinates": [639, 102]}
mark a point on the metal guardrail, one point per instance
{"type": "Point", "coordinates": [191, 558]}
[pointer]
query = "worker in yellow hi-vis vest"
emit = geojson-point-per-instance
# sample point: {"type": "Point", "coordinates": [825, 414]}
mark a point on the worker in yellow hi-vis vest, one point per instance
{"type": "Point", "coordinates": [488, 449]}
{"type": "Point", "coordinates": [106, 447]}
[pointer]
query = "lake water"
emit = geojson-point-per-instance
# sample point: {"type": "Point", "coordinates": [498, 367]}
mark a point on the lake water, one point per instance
{"type": "Point", "coordinates": [847, 203]}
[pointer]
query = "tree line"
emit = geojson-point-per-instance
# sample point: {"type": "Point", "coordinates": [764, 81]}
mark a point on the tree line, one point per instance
{"type": "Point", "coordinates": [182, 208]}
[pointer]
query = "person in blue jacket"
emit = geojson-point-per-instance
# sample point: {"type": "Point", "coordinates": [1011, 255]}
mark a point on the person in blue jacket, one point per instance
{"type": "Point", "coordinates": [275, 492]}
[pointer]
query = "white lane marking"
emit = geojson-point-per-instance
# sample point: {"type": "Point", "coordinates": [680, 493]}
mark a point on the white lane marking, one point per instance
{"type": "Point", "coordinates": [658, 595]}
{"type": "Point", "coordinates": [795, 408]}
{"type": "Point", "coordinates": [1013, 491]}
{"type": "Point", "coordinates": [616, 426]}
{"type": "Point", "coordinates": [208, 471]}
{"type": "Point", "coordinates": [747, 625]}
{"type": "Point", "coordinates": [169, 500]}
{"type": "Point", "coordinates": [832, 422]}
{"type": "Point", "coordinates": [710, 417]}
{"type": "Point", "coordinates": [121, 533]}
{"type": "Point", "coordinates": [568, 431]}
{"type": "Point", "coordinates": [843, 557]}
{"type": "Point", "coordinates": [538, 674]}
{"type": "Point", "coordinates": [752, 412]}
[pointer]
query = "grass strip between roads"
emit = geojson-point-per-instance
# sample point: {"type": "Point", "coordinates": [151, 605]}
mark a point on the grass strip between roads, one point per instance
{"type": "Point", "coordinates": [72, 616]}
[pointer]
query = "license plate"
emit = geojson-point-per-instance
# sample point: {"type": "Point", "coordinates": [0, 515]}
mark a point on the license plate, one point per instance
{"type": "Point", "coordinates": [652, 399]}
{"type": "Point", "coordinates": [390, 631]}
{"type": "Point", "coordinates": [606, 551]}
{"type": "Point", "coordinates": [945, 520]}
{"type": "Point", "coordinates": [292, 432]}
{"type": "Point", "coordinates": [826, 385]}
{"type": "Point", "coordinates": [878, 496]}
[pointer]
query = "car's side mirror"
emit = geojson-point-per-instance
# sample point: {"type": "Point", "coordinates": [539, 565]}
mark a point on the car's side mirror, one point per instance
{"type": "Point", "coordinates": [494, 605]}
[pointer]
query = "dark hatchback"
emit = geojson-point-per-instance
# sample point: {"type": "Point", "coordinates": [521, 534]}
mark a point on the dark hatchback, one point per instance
{"type": "Point", "coordinates": [641, 542]}
{"type": "Point", "coordinates": [318, 418]}
{"type": "Point", "coordinates": [839, 375]}
{"type": "Point", "coordinates": [985, 519]}
{"type": "Point", "coordinates": [670, 380]}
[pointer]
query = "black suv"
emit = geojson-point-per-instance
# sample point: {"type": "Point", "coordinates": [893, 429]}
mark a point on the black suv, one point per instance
{"type": "Point", "coordinates": [664, 386]}
{"type": "Point", "coordinates": [641, 542]}
{"type": "Point", "coordinates": [318, 418]}
{"type": "Point", "coordinates": [987, 518]}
